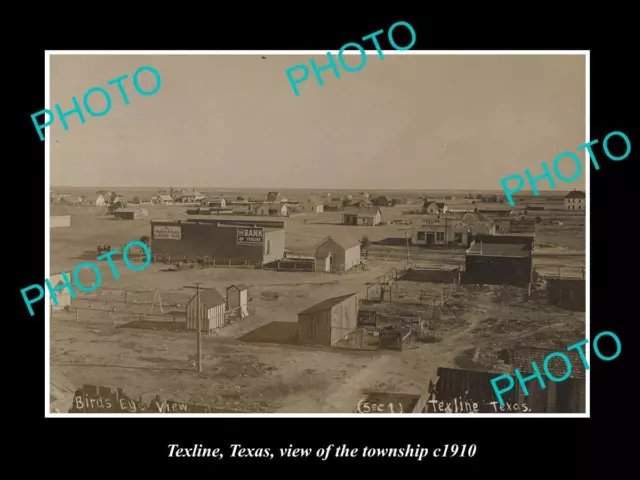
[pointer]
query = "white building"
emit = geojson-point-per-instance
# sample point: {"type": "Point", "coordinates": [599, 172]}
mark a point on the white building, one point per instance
{"type": "Point", "coordinates": [575, 200]}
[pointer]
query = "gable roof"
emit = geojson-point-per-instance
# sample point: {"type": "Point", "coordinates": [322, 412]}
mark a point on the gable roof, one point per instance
{"type": "Point", "coordinates": [521, 359]}
{"type": "Point", "coordinates": [344, 240]}
{"type": "Point", "coordinates": [239, 286]}
{"type": "Point", "coordinates": [209, 297]}
{"type": "Point", "coordinates": [575, 194]}
{"type": "Point", "coordinates": [363, 211]}
{"type": "Point", "coordinates": [326, 304]}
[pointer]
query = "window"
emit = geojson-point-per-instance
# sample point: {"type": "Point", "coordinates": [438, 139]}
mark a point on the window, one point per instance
{"type": "Point", "coordinates": [439, 236]}
{"type": "Point", "coordinates": [458, 237]}
{"type": "Point", "coordinates": [421, 236]}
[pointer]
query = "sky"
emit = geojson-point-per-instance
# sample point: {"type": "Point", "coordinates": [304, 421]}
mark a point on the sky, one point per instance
{"type": "Point", "coordinates": [405, 122]}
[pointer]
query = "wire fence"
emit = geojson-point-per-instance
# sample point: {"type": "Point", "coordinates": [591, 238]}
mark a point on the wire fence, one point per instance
{"type": "Point", "coordinates": [111, 317]}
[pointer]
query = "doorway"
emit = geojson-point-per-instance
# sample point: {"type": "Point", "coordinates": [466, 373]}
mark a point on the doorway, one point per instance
{"type": "Point", "coordinates": [431, 238]}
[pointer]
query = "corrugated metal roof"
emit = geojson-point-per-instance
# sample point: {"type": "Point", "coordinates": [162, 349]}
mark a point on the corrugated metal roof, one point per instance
{"type": "Point", "coordinates": [326, 304]}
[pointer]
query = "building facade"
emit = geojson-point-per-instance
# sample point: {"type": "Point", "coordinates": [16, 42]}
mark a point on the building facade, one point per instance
{"type": "Point", "coordinates": [575, 200]}
{"type": "Point", "coordinates": [362, 216]}
{"type": "Point", "coordinates": [212, 311]}
{"type": "Point", "coordinates": [440, 230]}
{"type": "Point", "coordinates": [192, 239]}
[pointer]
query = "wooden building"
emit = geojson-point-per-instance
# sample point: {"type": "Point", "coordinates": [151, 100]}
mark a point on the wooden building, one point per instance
{"type": "Point", "coordinates": [575, 200]}
{"type": "Point", "coordinates": [212, 310]}
{"type": "Point", "coordinates": [328, 321]}
{"type": "Point", "coordinates": [59, 217]}
{"type": "Point", "coordinates": [238, 300]}
{"type": "Point", "coordinates": [344, 252]}
{"type": "Point", "coordinates": [362, 216]}
{"type": "Point", "coordinates": [567, 396]}
{"type": "Point", "coordinates": [435, 208]}
{"type": "Point", "coordinates": [498, 260]}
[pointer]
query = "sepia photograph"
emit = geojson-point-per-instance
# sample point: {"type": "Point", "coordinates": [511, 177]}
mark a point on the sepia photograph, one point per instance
{"type": "Point", "coordinates": [218, 245]}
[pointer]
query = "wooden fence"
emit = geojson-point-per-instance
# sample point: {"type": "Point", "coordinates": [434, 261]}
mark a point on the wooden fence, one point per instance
{"type": "Point", "coordinates": [111, 317]}
{"type": "Point", "coordinates": [205, 262]}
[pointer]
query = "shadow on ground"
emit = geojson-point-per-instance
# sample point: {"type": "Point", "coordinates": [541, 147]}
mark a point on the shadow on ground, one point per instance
{"type": "Point", "coordinates": [147, 325]}
{"type": "Point", "coordinates": [284, 333]}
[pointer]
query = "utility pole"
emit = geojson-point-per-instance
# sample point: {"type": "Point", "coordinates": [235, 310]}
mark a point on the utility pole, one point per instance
{"type": "Point", "coordinates": [198, 324]}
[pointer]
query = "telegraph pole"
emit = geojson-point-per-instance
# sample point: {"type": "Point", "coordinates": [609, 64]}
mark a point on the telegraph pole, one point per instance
{"type": "Point", "coordinates": [198, 324]}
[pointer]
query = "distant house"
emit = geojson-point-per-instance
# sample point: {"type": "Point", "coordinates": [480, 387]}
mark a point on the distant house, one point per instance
{"type": "Point", "coordinates": [333, 206]}
{"type": "Point", "coordinates": [344, 250]}
{"type": "Point", "coordinates": [362, 216]}
{"type": "Point", "coordinates": [273, 197]}
{"type": "Point", "coordinates": [435, 208]}
{"type": "Point", "coordinates": [273, 209]}
{"type": "Point", "coordinates": [449, 197]}
{"type": "Point", "coordinates": [219, 202]}
{"type": "Point", "coordinates": [315, 205]}
{"type": "Point", "coordinates": [191, 196]}
{"type": "Point", "coordinates": [212, 311]}
{"type": "Point", "coordinates": [575, 200]}
{"type": "Point", "coordinates": [164, 200]}
{"type": "Point", "coordinates": [59, 217]}
{"type": "Point", "coordinates": [130, 213]}
{"type": "Point", "coordinates": [101, 201]}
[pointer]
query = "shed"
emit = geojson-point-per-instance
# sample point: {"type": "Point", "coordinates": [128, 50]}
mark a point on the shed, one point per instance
{"type": "Point", "coordinates": [344, 250]}
{"type": "Point", "coordinates": [238, 300]}
{"type": "Point", "coordinates": [59, 217]}
{"type": "Point", "coordinates": [328, 321]}
{"type": "Point", "coordinates": [499, 259]}
{"type": "Point", "coordinates": [212, 310]}
{"type": "Point", "coordinates": [62, 296]}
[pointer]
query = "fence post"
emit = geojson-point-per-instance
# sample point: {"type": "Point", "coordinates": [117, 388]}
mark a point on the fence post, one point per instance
{"type": "Point", "coordinates": [214, 261]}
{"type": "Point", "coordinates": [109, 317]}
{"type": "Point", "coordinates": [77, 315]}
{"type": "Point", "coordinates": [125, 296]}
{"type": "Point", "coordinates": [140, 314]}
{"type": "Point", "coordinates": [229, 263]}
{"type": "Point", "coordinates": [442, 296]}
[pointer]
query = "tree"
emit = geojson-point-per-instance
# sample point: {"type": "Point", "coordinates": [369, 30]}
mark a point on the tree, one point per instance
{"type": "Point", "coordinates": [393, 202]}
{"type": "Point", "coordinates": [365, 243]}
{"type": "Point", "coordinates": [136, 200]}
{"type": "Point", "coordinates": [345, 202]}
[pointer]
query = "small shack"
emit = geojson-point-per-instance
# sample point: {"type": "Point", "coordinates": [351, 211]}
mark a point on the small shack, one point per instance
{"type": "Point", "coordinates": [323, 262]}
{"type": "Point", "coordinates": [62, 296]}
{"type": "Point", "coordinates": [328, 321]}
{"type": "Point", "coordinates": [129, 213]}
{"type": "Point", "coordinates": [238, 301]}
{"type": "Point", "coordinates": [212, 310]}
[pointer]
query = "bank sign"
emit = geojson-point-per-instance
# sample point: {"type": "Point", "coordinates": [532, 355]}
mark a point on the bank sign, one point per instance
{"type": "Point", "coordinates": [250, 236]}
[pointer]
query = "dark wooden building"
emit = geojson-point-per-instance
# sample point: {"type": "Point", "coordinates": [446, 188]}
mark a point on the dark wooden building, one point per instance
{"type": "Point", "coordinates": [328, 321]}
{"type": "Point", "coordinates": [499, 259]}
{"type": "Point", "coordinates": [563, 397]}
{"type": "Point", "coordinates": [216, 239]}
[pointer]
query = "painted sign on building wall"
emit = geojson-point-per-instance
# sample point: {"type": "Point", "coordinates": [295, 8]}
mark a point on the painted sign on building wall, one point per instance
{"type": "Point", "coordinates": [165, 232]}
{"type": "Point", "coordinates": [250, 236]}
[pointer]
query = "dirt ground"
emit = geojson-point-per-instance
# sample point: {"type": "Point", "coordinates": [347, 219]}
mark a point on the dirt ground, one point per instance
{"type": "Point", "coordinates": [251, 365]}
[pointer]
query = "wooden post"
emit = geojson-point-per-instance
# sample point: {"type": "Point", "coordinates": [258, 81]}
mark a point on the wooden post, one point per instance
{"type": "Point", "coordinates": [198, 325]}
{"type": "Point", "coordinates": [77, 315]}
{"type": "Point", "coordinates": [214, 261]}
{"type": "Point", "coordinates": [109, 317]}
{"type": "Point", "coordinates": [140, 314]}
{"type": "Point", "coordinates": [229, 263]}
{"type": "Point", "coordinates": [125, 296]}
{"type": "Point", "coordinates": [442, 296]}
